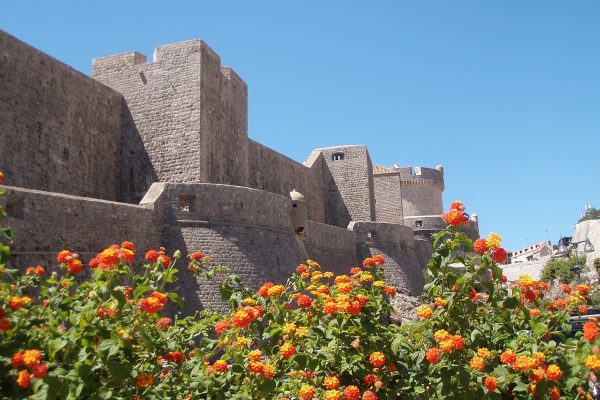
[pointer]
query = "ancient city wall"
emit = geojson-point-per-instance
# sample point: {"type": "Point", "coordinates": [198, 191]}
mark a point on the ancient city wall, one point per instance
{"type": "Point", "coordinates": [388, 198]}
{"type": "Point", "coordinates": [247, 229]}
{"type": "Point", "coordinates": [59, 129]}
{"type": "Point", "coordinates": [185, 118]}
{"type": "Point", "coordinates": [334, 248]}
{"type": "Point", "coordinates": [45, 223]}
{"type": "Point", "coordinates": [271, 171]}
{"type": "Point", "coordinates": [403, 268]}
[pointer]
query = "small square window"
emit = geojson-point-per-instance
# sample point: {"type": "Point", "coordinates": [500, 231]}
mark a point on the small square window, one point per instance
{"type": "Point", "coordinates": [186, 203]}
{"type": "Point", "coordinates": [419, 223]}
{"type": "Point", "coordinates": [337, 156]}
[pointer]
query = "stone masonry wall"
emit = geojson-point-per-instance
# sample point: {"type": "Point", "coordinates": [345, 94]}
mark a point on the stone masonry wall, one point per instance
{"type": "Point", "coordinates": [334, 248]}
{"type": "Point", "coordinates": [246, 229]}
{"type": "Point", "coordinates": [396, 244]}
{"type": "Point", "coordinates": [59, 129]}
{"type": "Point", "coordinates": [348, 183]}
{"type": "Point", "coordinates": [421, 190]}
{"type": "Point", "coordinates": [276, 173]}
{"type": "Point", "coordinates": [388, 198]}
{"type": "Point", "coordinates": [46, 223]}
{"type": "Point", "coordinates": [185, 118]}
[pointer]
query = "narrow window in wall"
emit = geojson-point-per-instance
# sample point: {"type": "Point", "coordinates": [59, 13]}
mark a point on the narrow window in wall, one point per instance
{"type": "Point", "coordinates": [419, 223]}
{"type": "Point", "coordinates": [371, 235]}
{"type": "Point", "coordinates": [186, 203]}
{"type": "Point", "coordinates": [337, 156]}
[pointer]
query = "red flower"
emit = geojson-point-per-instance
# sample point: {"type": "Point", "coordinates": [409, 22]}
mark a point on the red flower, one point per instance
{"type": "Point", "coordinates": [377, 359]}
{"type": "Point", "coordinates": [152, 255]}
{"type": "Point", "coordinates": [176, 357]}
{"type": "Point", "coordinates": [480, 246]}
{"type": "Point", "coordinates": [74, 266]}
{"type": "Point", "coordinates": [351, 392]}
{"type": "Point", "coordinates": [499, 255]}
{"type": "Point", "coordinates": [4, 325]}
{"type": "Point", "coordinates": [264, 289]}
{"type": "Point", "coordinates": [17, 360]}
{"type": "Point", "coordinates": [369, 262]}
{"type": "Point", "coordinates": [39, 370]}
{"type": "Point", "coordinates": [304, 301]}
{"type": "Point", "coordinates": [196, 256]}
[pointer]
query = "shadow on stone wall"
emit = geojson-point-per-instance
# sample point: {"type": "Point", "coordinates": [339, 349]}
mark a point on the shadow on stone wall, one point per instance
{"type": "Point", "coordinates": [136, 172]}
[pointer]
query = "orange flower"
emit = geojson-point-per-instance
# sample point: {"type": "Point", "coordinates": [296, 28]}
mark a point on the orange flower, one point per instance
{"type": "Point", "coordinates": [262, 292]}
{"type": "Point", "coordinates": [424, 312]}
{"type": "Point", "coordinates": [477, 364]}
{"type": "Point", "coordinates": [355, 270]}
{"type": "Point", "coordinates": [332, 395]}
{"type": "Point", "coordinates": [368, 395]}
{"type": "Point", "coordinates": [554, 373]}
{"type": "Point", "coordinates": [433, 355]}
{"type": "Point", "coordinates": [490, 383]}
{"type": "Point", "coordinates": [154, 303]}
{"type": "Point", "coordinates": [508, 357]}
{"type": "Point", "coordinates": [554, 393]}
{"type": "Point", "coordinates": [268, 371]}
{"type": "Point", "coordinates": [534, 312]}
{"type": "Point", "coordinates": [30, 357]}
{"type": "Point", "coordinates": [144, 380]}
{"type": "Point", "coordinates": [64, 256]}
{"type": "Point", "coordinates": [441, 335]}
{"type": "Point", "coordinates": [330, 307]}
{"type": "Point", "coordinates": [480, 246]}
{"type": "Point", "coordinates": [565, 288]}
{"type": "Point", "coordinates": [74, 266]}
{"type": "Point", "coordinates": [222, 326]}
{"type": "Point", "coordinates": [524, 363]}
{"type": "Point", "coordinates": [287, 350]}
{"type": "Point", "coordinates": [377, 359]}
{"type": "Point", "coordinates": [484, 353]}
{"type": "Point", "coordinates": [440, 302]}
{"type": "Point", "coordinates": [331, 382]}
{"type": "Point", "coordinates": [23, 379]}
{"type": "Point", "coordinates": [241, 319]}
{"type": "Point", "coordinates": [390, 290]}
{"type": "Point", "coordinates": [306, 392]}
{"type": "Point", "coordinates": [499, 255]}
{"type": "Point", "coordinates": [351, 392]}
{"type": "Point", "coordinates": [1, 177]}
{"type": "Point", "coordinates": [455, 218]}
{"type": "Point", "coordinates": [583, 289]}
{"type": "Point", "coordinates": [163, 323]}
{"type": "Point", "coordinates": [369, 262]}
{"type": "Point", "coordinates": [378, 259]}
{"type": "Point", "coordinates": [457, 205]}
{"type": "Point", "coordinates": [590, 331]}
{"type": "Point", "coordinates": [176, 357]}
{"type": "Point", "coordinates": [220, 366]}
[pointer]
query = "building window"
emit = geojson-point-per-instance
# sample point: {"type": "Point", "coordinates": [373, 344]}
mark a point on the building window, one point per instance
{"type": "Point", "coordinates": [419, 223]}
{"type": "Point", "coordinates": [186, 203]}
{"type": "Point", "coordinates": [370, 235]}
{"type": "Point", "coordinates": [337, 156]}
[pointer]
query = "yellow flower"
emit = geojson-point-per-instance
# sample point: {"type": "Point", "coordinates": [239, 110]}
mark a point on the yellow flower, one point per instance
{"type": "Point", "coordinates": [493, 241]}
{"type": "Point", "coordinates": [289, 328]}
{"type": "Point", "coordinates": [379, 284]}
{"type": "Point", "coordinates": [301, 331]}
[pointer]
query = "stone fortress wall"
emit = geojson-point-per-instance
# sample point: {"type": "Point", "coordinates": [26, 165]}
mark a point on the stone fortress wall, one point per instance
{"type": "Point", "coordinates": [166, 142]}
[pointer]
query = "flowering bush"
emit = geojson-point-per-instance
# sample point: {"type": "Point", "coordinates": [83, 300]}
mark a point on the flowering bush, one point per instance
{"type": "Point", "coordinates": [318, 336]}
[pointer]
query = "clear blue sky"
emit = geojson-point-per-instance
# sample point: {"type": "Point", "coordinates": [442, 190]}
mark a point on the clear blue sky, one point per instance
{"type": "Point", "coordinates": [504, 94]}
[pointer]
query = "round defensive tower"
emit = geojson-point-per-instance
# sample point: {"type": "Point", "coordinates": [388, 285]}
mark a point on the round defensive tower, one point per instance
{"type": "Point", "coordinates": [421, 190]}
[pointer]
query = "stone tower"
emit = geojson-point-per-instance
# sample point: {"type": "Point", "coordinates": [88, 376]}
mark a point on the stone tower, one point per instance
{"type": "Point", "coordinates": [184, 119]}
